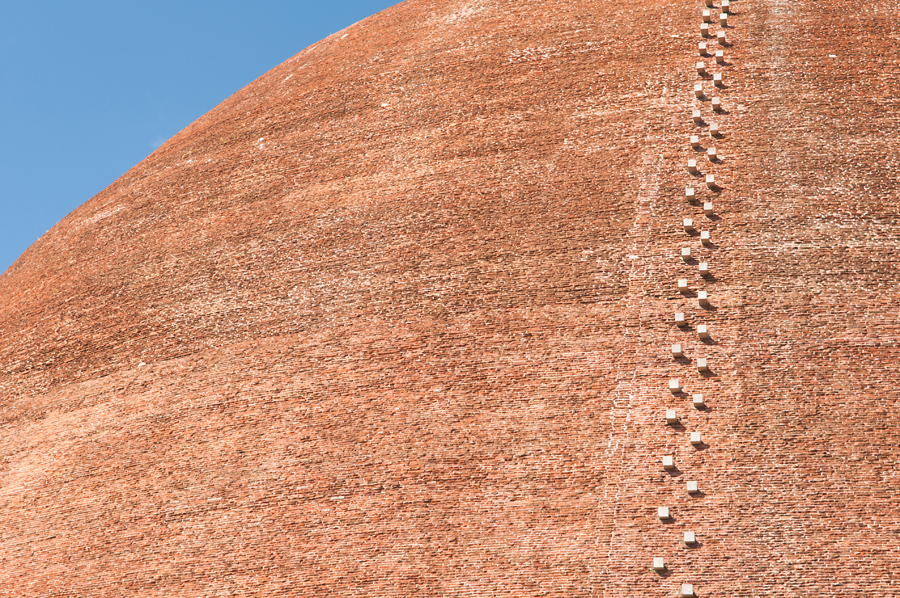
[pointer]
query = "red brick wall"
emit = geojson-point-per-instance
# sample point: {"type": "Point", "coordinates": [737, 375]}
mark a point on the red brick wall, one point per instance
{"type": "Point", "coordinates": [394, 320]}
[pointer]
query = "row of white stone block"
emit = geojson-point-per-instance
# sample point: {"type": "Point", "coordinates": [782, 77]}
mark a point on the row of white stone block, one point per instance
{"type": "Point", "coordinates": [716, 103]}
{"type": "Point", "coordinates": [718, 80]}
{"type": "Point", "coordinates": [720, 36]}
{"type": "Point", "coordinates": [703, 50]}
{"type": "Point", "coordinates": [690, 193]}
{"type": "Point", "coordinates": [687, 590]}
{"type": "Point", "coordinates": [725, 6]}
{"type": "Point", "coordinates": [723, 17]}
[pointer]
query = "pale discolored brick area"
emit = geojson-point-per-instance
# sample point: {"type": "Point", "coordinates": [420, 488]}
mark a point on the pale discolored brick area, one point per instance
{"type": "Point", "coordinates": [396, 320]}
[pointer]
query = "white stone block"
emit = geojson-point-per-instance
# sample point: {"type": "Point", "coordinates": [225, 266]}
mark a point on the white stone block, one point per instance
{"type": "Point", "coordinates": [695, 141]}
{"type": "Point", "coordinates": [688, 224]}
{"type": "Point", "coordinates": [717, 80]}
{"type": "Point", "coordinates": [704, 238]}
{"type": "Point", "coordinates": [711, 154]}
{"type": "Point", "coordinates": [711, 181]}
{"type": "Point", "coordinates": [696, 440]}
{"type": "Point", "coordinates": [679, 320]}
{"type": "Point", "coordinates": [690, 539]}
{"type": "Point", "coordinates": [663, 513]}
{"type": "Point", "coordinates": [704, 269]}
{"type": "Point", "coordinates": [677, 350]}
{"type": "Point", "coordinates": [703, 299]}
{"type": "Point", "coordinates": [720, 37]}
{"type": "Point", "coordinates": [701, 68]}
{"type": "Point", "coordinates": [713, 129]}
{"type": "Point", "coordinates": [675, 386]}
{"type": "Point", "coordinates": [668, 463]}
{"type": "Point", "coordinates": [690, 194]}
{"type": "Point", "coordinates": [704, 29]}
{"type": "Point", "coordinates": [703, 49]}
{"type": "Point", "coordinates": [726, 6]}
{"type": "Point", "coordinates": [671, 417]}
{"type": "Point", "coordinates": [659, 564]}
{"type": "Point", "coordinates": [697, 401]}
{"type": "Point", "coordinates": [717, 104]}
{"type": "Point", "coordinates": [698, 90]}
{"type": "Point", "coordinates": [687, 590]}
{"type": "Point", "coordinates": [702, 366]}
{"type": "Point", "coordinates": [720, 56]}
{"type": "Point", "coordinates": [686, 254]}
{"type": "Point", "coordinates": [707, 15]}
{"type": "Point", "coordinates": [695, 114]}
{"type": "Point", "coordinates": [723, 19]}
{"type": "Point", "coordinates": [682, 285]}
{"type": "Point", "coordinates": [708, 208]}
{"type": "Point", "coordinates": [692, 166]}
{"type": "Point", "coordinates": [692, 488]}
{"type": "Point", "coordinates": [709, 3]}
{"type": "Point", "coordinates": [702, 332]}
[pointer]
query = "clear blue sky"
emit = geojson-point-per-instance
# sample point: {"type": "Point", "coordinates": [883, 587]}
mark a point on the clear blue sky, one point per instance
{"type": "Point", "coordinates": [88, 89]}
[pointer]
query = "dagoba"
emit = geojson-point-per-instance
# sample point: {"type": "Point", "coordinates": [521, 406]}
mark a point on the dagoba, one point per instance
{"type": "Point", "coordinates": [412, 315]}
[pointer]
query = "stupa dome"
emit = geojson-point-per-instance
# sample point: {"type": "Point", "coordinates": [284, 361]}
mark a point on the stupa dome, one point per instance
{"type": "Point", "coordinates": [398, 319]}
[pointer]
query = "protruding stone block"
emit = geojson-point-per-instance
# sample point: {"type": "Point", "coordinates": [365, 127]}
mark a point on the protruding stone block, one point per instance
{"type": "Point", "coordinates": [709, 3]}
{"type": "Point", "coordinates": [702, 366]}
{"type": "Point", "coordinates": [723, 19]}
{"type": "Point", "coordinates": [720, 56]}
{"type": "Point", "coordinates": [659, 564]}
{"type": "Point", "coordinates": [692, 166]}
{"type": "Point", "coordinates": [688, 224]}
{"type": "Point", "coordinates": [703, 49]}
{"type": "Point", "coordinates": [692, 488]}
{"type": "Point", "coordinates": [704, 29]}
{"type": "Point", "coordinates": [668, 463]}
{"type": "Point", "coordinates": [704, 269]}
{"type": "Point", "coordinates": [675, 386]}
{"type": "Point", "coordinates": [702, 299]}
{"type": "Point", "coordinates": [717, 80]}
{"type": "Point", "coordinates": [708, 208]}
{"type": "Point", "coordinates": [698, 402]}
{"type": "Point", "coordinates": [682, 285]}
{"type": "Point", "coordinates": [695, 141]}
{"type": "Point", "coordinates": [663, 513]}
{"type": "Point", "coordinates": [679, 319]}
{"type": "Point", "coordinates": [711, 181]}
{"type": "Point", "coordinates": [695, 114]}
{"type": "Point", "coordinates": [703, 332]}
{"type": "Point", "coordinates": [717, 104]}
{"type": "Point", "coordinates": [726, 6]}
{"type": "Point", "coordinates": [714, 130]}
{"type": "Point", "coordinates": [721, 38]}
{"type": "Point", "coordinates": [687, 590]}
{"type": "Point", "coordinates": [711, 154]}
{"type": "Point", "coordinates": [671, 417]}
{"type": "Point", "coordinates": [698, 90]}
{"type": "Point", "coordinates": [705, 238]}
{"type": "Point", "coordinates": [690, 194]}
{"type": "Point", "coordinates": [701, 68]}
{"type": "Point", "coordinates": [707, 15]}
{"type": "Point", "coordinates": [686, 254]}
{"type": "Point", "coordinates": [696, 439]}
{"type": "Point", "coordinates": [690, 539]}
{"type": "Point", "coordinates": [677, 351]}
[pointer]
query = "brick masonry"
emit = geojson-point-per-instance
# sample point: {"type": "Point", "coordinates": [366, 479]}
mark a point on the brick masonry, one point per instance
{"type": "Point", "coordinates": [395, 320]}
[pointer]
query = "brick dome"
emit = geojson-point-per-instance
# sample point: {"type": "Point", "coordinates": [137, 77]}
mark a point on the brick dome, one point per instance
{"type": "Point", "coordinates": [397, 320]}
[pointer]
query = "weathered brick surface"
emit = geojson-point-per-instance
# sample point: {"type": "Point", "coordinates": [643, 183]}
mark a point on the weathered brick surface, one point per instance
{"type": "Point", "coordinates": [394, 321]}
